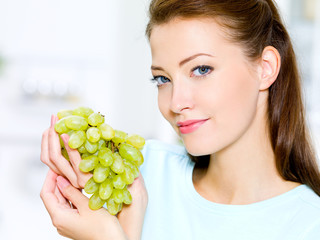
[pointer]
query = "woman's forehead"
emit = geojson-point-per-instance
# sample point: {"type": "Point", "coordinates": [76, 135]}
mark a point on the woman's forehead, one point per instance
{"type": "Point", "coordinates": [186, 37]}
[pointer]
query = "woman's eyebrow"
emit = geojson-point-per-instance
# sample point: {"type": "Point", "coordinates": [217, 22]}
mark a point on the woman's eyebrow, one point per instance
{"type": "Point", "coordinates": [184, 61]}
{"type": "Point", "coordinates": [193, 57]}
{"type": "Point", "coordinates": [156, 68]}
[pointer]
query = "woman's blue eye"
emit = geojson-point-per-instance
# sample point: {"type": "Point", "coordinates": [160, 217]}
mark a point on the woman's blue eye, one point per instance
{"type": "Point", "coordinates": [201, 70]}
{"type": "Point", "coordinates": [160, 80]}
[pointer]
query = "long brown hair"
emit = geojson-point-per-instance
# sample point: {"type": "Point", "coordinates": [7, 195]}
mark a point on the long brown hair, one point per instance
{"type": "Point", "coordinates": [256, 24]}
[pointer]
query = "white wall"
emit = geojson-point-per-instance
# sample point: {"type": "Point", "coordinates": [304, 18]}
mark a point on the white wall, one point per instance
{"type": "Point", "coordinates": [95, 52]}
{"type": "Point", "coordinates": [61, 54]}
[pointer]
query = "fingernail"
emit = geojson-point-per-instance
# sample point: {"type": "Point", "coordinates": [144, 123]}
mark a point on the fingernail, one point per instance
{"type": "Point", "coordinates": [62, 182]}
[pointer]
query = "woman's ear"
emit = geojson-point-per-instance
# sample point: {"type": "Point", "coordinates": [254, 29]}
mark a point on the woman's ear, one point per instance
{"type": "Point", "coordinates": [270, 66]}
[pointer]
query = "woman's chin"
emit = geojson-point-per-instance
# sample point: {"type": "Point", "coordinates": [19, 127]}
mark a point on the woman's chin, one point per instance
{"type": "Point", "coordinates": [197, 149]}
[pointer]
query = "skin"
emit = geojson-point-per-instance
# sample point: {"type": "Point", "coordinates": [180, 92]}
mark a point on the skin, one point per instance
{"type": "Point", "coordinates": [78, 221]}
{"type": "Point", "coordinates": [230, 94]}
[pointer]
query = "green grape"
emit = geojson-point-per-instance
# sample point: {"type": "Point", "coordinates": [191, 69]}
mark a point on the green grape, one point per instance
{"type": "Point", "coordinates": [61, 142]}
{"type": "Point", "coordinates": [127, 196]}
{"type": "Point", "coordinates": [117, 195]}
{"type": "Point", "coordinates": [89, 163]}
{"type": "Point", "coordinates": [135, 171]}
{"type": "Point", "coordinates": [117, 165]}
{"type": "Point", "coordinates": [93, 134]}
{"type": "Point", "coordinates": [136, 141]}
{"type": "Point", "coordinates": [131, 153]}
{"type": "Point", "coordinates": [76, 139]}
{"type": "Point", "coordinates": [102, 143]}
{"type": "Point", "coordinates": [105, 189]}
{"type": "Point", "coordinates": [100, 173]}
{"type": "Point", "coordinates": [113, 207]}
{"type": "Point", "coordinates": [110, 145]}
{"type": "Point", "coordinates": [95, 202]}
{"type": "Point", "coordinates": [84, 155]}
{"type": "Point", "coordinates": [91, 147]}
{"type": "Point", "coordinates": [76, 122]}
{"type": "Point", "coordinates": [95, 119]}
{"type": "Point", "coordinates": [133, 167]}
{"type": "Point", "coordinates": [96, 153]}
{"type": "Point", "coordinates": [107, 132]}
{"type": "Point", "coordinates": [91, 186]}
{"type": "Point", "coordinates": [118, 182]}
{"type": "Point", "coordinates": [64, 113]}
{"type": "Point", "coordinates": [105, 156]}
{"type": "Point", "coordinates": [127, 175]}
{"type": "Point", "coordinates": [65, 154]}
{"type": "Point", "coordinates": [120, 207]}
{"type": "Point", "coordinates": [110, 155]}
{"type": "Point", "coordinates": [70, 132]}
{"type": "Point", "coordinates": [61, 126]}
{"type": "Point", "coordinates": [82, 149]}
{"type": "Point", "coordinates": [82, 111]}
{"type": "Point", "coordinates": [119, 137]}
{"type": "Point", "coordinates": [112, 174]}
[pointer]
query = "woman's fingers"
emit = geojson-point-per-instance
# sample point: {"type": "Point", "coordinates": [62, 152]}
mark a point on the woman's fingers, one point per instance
{"type": "Point", "coordinates": [44, 156]}
{"type": "Point", "coordinates": [80, 223]}
{"type": "Point", "coordinates": [61, 199]}
{"type": "Point", "coordinates": [54, 142]}
{"type": "Point", "coordinates": [136, 210]}
{"type": "Point", "coordinates": [73, 194]}
{"type": "Point", "coordinates": [75, 159]}
{"type": "Point", "coordinates": [48, 192]}
{"type": "Point", "coordinates": [60, 213]}
{"type": "Point", "coordinates": [138, 191]}
{"type": "Point", "coordinates": [54, 150]}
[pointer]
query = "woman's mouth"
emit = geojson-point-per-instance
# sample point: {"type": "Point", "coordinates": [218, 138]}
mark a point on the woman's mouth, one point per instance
{"type": "Point", "coordinates": [190, 126]}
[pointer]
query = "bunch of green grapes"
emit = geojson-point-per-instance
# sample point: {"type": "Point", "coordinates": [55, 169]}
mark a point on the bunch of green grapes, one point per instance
{"type": "Point", "coordinates": [112, 156]}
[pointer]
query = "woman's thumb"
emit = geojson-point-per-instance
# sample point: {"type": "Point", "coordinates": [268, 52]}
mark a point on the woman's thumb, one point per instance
{"type": "Point", "coordinates": [72, 194]}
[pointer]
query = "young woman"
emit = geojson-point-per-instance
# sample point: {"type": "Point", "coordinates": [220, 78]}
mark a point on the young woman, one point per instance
{"type": "Point", "coordinates": [228, 84]}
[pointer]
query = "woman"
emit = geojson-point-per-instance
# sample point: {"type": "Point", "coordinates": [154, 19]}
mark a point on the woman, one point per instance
{"type": "Point", "coordinates": [228, 84]}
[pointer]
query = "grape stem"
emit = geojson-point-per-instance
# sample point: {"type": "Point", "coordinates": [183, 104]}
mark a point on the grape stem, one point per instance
{"type": "Point", "coordinates": [101, 114]}
{"type": "Point", "coordinates": [112, 147]}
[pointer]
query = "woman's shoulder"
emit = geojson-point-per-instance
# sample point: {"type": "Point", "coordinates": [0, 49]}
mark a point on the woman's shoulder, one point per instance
{"type": "Point", "coordinates": [159, 148]}
{"type": "Point", "coordinates": [159, 154]}
{"type": "Point", "coordinates": [310, 198]}
{"type": "Point", "coordinates": [311, 212]}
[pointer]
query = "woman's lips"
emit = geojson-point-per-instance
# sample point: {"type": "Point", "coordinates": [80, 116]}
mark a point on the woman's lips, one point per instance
{"type": "Point", "coordinates": [190, 125]}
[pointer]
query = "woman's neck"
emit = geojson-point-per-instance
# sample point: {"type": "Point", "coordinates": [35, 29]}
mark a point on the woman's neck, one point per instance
{"type": "Point", "coordinates": [240, 178]}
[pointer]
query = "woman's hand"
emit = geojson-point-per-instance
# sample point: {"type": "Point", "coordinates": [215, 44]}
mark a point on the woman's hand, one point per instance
{"type": "Point", "coordinates": [63, 216]}
{"type": "Point", "coordinates": [131, 216]}
{"type": "Point", "coordinates": [52, 157]}
{"type": "Point", "coordinates": [80, 222]}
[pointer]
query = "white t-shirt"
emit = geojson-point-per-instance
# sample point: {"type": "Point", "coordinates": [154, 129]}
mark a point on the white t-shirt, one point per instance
{"type": "Point", "coordinates": [176, 210]}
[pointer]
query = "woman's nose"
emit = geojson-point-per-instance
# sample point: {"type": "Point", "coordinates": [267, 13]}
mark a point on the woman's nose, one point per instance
{"type": "Point", "coordinates": [182, 97]}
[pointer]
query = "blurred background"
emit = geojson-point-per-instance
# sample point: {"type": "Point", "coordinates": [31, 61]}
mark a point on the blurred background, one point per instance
{"type": "Point", "coordinates": [60, 54]}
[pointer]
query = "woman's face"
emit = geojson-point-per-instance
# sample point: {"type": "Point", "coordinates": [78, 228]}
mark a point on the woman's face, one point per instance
{"type": "Point", "coordinates": [208, 90]}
